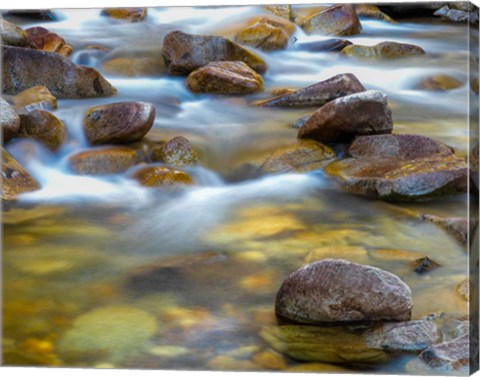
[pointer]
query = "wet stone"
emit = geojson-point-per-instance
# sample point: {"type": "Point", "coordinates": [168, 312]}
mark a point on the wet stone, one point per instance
{"type": "Point", "coordinates": [43, 127]}
{"type": "Point", "coordinates": [176, 152]}
{"type": "Point", "coordinates": [12, 35]}
{"type": "Point", "coordinates": [337, 20]}
{"type": "Point", "coordinates": [9, 120]}
{"type": "Point", "coordinates": [463, 289]}
{"type": "Point", "coordinates": [157, 176]}
{"type": "Point", "coordinates": [449, 356]}
{"type": "Point", "coordinates": [36, 97]}
{"type": "Point", "coordinates": [15, 179]}
{"type": "Point", "coordinates": [45, 40]}
{"type": "Point", "coordinates": [102, 161]}
{"type": "Point", "coordinates": [383, 50]}
{"type": "Point", "coordinates": [133, 67]}
{"type": "Point", "coordinates": [458, 227]}
{"type": "Point", "coordinates": [329, 45]}
{"type": "Point", "coordinates": [126, 14]}
{"type": "Point", "coordinates": [266, 34]}
{"type": "Point", "coordinates": [423, 265]}
{"type": "Point", "coordinates": [280, 10]}
{"type": "Point", "coordinates": [439, 83]}
{"type": "Point", "coordinates": [372, 11]}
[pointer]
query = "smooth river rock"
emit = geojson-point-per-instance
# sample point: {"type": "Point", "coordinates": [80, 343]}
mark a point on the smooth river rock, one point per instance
{"type": "Point", "coordinates": [335, 290]}
{"type": "Point", "coordinates": [266, 34]}
{"type": "Point", "coordinates": [400, 168]}
{"type": "Point", "coordinates": [439, 83]}
{"type": "Point", "coordinates": [329, 45]}
{"type": "Point", "coordinates": [383, 50]}
{"type": "Point", "coordinates": [9, 120]}
{"type": "Point", "coordinates": [449, 356]}
{"type": "Point", "coordinates": [342, 119]}
{"type": "Point", "coordinates": [15, 179]}
{"type": "Point", "coordinates": [12, 35]}
{"type": "Point", "coordinates": [43, 127]}
{"type": "Point", "coordinates": [317, 94]}
{"type": "Point", "coordinates": [103, 161]}
{"type": "Point", "coordinates": [176, 152]}
{"type": "Point", "coordinates": [25, 67]}
{"type": "Point", "coordinates": [184, 52]}
{"type": "Point", "coordinates": [118, 123]}
{"type": "Point", "coordinates": [159, 176]}
{"type": "Point", "coordinates": [338, 20]}
{"type": "Point", "coordinates": [36, 97]}
{"type": "Point", "coordinates": [372, 11]}
{"type": "Point", "coordinates": [45, 40]}
{"type": "Point", "coordinates": [225, 78]}
{"type": "Point", "coordinates": [126, 14]}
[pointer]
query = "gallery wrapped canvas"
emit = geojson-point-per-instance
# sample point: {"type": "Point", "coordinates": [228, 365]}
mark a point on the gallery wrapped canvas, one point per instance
{"type": "Point", "coordinates": [282, 187]}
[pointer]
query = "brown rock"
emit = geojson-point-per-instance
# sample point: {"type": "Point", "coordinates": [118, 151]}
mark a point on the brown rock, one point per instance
{"type": "Point", "coordinates": [133, 67]}
{"type": "Point", "coordinates": [24, 68]}
{"type": "Point", "coordinates": [400, 167]}
{"type": "Point", "coordinates": [45, 40]}
{"type": "Point", "coordinates": [342, 119]}
{"type": "Point", "coordinates": [463, 289]}
{"type": "Point", "coordinates": [280, 10]}
{"type": "Point", "coordinates": [266, 34]}
{"type": "Point", "coordinates": [474, 85]}
{"type": "Point", "coordinates": [439, 83]}
{"type": "Point", "coordinates": [102, 161]}
{"type": "Point", "coordinates": [12, 35]}
{"type": "Point", "coordinates": [127, 14]}
{"type": "Point", "coordinates": [449, 356]}
{"type": "Point", "coordinates": [334, 290]}
{"type": "Point", "coordinates": [15, 179]}
{"type": "Point", "coordinates": [317, 94]}
{"type": "Point", "coordinates": [177, 152]}
{"type": "Point", "coordinates": [184, 52]}
{"type": "Point", "coordinates": [337, 20]}
{"type": "Point", "coordinates": [37, 97]}
{"type": "Point", "coordinates": [372, 11]}
{"type": "Point", "coordinates": [225, 78]}
{"type": "Point", "coordinates": [43, 127]}
{"type": "Point", "coordinates": [158, 176]}
{"type": "Point", "coordinates": [118, 123]}
{"type": "Point", "coordinates": [384, 50]}
{"type": "Point", "coordinates": [9, 120]}
{"type": "Point", "coordinates": [329, 45]}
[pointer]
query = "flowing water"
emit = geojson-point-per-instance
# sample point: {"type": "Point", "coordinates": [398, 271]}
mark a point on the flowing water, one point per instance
{"type": "Point", "coordinates": [196, 271]}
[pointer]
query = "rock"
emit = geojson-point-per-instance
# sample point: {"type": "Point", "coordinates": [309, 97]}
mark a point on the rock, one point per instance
{"type": "Point", "coordinates": [424, 264]}
{"type": "Point", "coordinates": [280, 10]}
{"type": "Point", "coordinates": [317, 94]}
{"type": "Point", "coordinates": [448, 356]}
{"type": "Point", "coordinates": [454, 15]}
{"type": "Point", "coordinates": [176, 152]}
{"type": "Point", "coordinates": [474, 163]}
{"type": "Point", "coordinates": [383, 50]}
{"type": "Point", "coordinates": [158, 176]}
{"type": "Point", "coordinates": [118, 123]}
{"type": "Point", "coordinates": [12, 35]}
{"type": "Point", "coordinates": [302, 157]}
{"type": "Point", "coordinates": [15, 179]}
{"type": "Point", "coordinates": [24, 68]}
{"type": "Point", "coordinates": [335, 290]}
{"type": "Point", "coordinates": [225, 78]}
{"type": "Point", "coordinates": [102, 161]}
{"type": "Point", "coordinates": [329, 45]}
{"type": "Point", "coordinates": [45, 40]}
{"type": "Point", "coordinates": [266, 34]}
{"type": "Point", "coordinates": [372, 11]}
{"type": "Point", "coordinates": [300, 122]}
{"type": "Point", "coordinates": [474, 85]}
{"type": "Point", "coordinates": [458, 227]}
{"type": "Point", "coordinates": [43, 127]}
{"type": "Point", "coordinates": [133, 67]}
{"type": "Point", "coordinates": [317, 368]}
{"type": "Point", "coordinates": [126, 14]}
{"type": "Point", "coordinates": [463, 289]}
{"type": "Point", "coordinates": [45, 14]}
{"type": "Point", "coordinates": [9, 120]}
{"type": "Point", "coordinates": [400, 167]}
{"type": "Point", "coordinates": [342, 119]}
{"type": "Point", "coordinates": [439, 83]}
{"type": "Point", "coordinates": [226, 363]}
{"type": "Point", "coordinates": [270, 360]}
{"type": "Point", "coordinates": [37, 97]}
{"type": "Point", "coordinates": [337, 20]}
{"type": "Point", "coordinates": [184, 52]}
{"type": "Point", "coordinates": [322, 344]}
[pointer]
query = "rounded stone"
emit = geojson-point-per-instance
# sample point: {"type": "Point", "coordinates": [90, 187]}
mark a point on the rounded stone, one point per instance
{"type": "Point", "coordinates": [109, 160]}
{"type": "Point", "coordinates": [9, 120]}
{"type": "Point", "coordinates": [43, 127]}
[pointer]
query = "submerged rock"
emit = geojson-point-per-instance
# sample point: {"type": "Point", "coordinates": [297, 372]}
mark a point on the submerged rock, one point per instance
{"type": "Point", "coordinates": [118, 123]}
{"type": "Point", "coordinates": [225, 78]}
{"type": "Point", "coordinates": [400, 167]}
{"type": "Point", "coordinates": [335, 290]}
{"type": "Point", "coordinates": [175, 152]}
{"type": "Point", "coordinates": [24, 68]}
{"type": "Point", "coordinates": [44, 127]}
{"type": "Point", "coordinates": [384, 50]}
{"type": "Point", "coordinates": [449, 356]}
{"type": "Point", "coordinates": [45, 40]}
{"type": "Point", "coordinates": [439, 83]}
{"type": "Point", "coordinates": [12, 35]}
{"type": "Point", "coordinates": [134, 67]}
{"type": "Point", "coordinates": [159, 176]}
{"type": "Point", "coordinates": [317, 94]}
{"type": "Point", "coordinates": [266, 34]}
{"type": "Point", "coordinates": [127, 14]}
{"type": "Point", "coordinates": [9, 120]}
{"type": "Point", "coordinates": [338, 20]}
{"type": "Point", "coordinates": [15, 179]}
{"type": "Point", "coordinates": [36, 97]}
{"type": "Point", "coordinates": [424, 264]}
{"type": "Point", "coordinates": [329, 45]}
{"type": "Point", "coordinates": [458, 227]}
{"type": "Point", "coordinates": [463, 289]}
{"type": "Point", "coordinates": [184, 52]}
{"type": "Point", "coordinates": [102, 161]}
{"type": "Point", "coordinates": [342, 119]}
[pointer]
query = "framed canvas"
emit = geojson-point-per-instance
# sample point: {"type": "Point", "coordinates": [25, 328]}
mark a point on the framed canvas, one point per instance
{"type": "Point", "coordinates": [281, 187]}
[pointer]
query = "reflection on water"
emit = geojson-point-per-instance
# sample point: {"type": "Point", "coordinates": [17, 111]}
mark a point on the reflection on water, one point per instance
{"type": "Point", "coordinates": [102, 272]}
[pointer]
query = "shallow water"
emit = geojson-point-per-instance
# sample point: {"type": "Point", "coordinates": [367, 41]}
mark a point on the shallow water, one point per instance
{"type": "Point", "coordinates": [206, 262]}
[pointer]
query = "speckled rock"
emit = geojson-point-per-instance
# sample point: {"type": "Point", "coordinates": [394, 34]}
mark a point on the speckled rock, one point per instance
{"type": "Point", "coordinates": [342, 119]}
{"type": "Point", "coordinates": [317, 94]}
{"type": "Point", "coordinates": [43, 127]}
{"type": "Point", "coordinates": [126, 14]}
{"type": "Point", "coordinates": [225, 78]}
{"type": "Point", "coordinates": [439, 83]}
{"type": "Point", "coordinates": [15, 179]}
{"type": "Point", "coordinates": [458, 227]}
{"type": "Point", "coordinates": [266, 34]}
{"type": "Point", "coordinates": [9, 120]}
{"type": "Point", "coordinates": [280, 10]}
{"type": "Point", "coordinates": [102, 161]}
{"type": "Point", "coordinates": [158, 176]}
{"type": "Point", "coordinates": [45, 40]}
{"type": "Point", "coordinates": [335, 290]}
{"type": "Point", "coordinates": [12, 35]}
{"type": "Point", "coordinates": [337, 20]}
{"type": "Point", "coordinates": [383, 50]}
{"type": "Point", "coordinates": [37, 97]}
{"type": "Point", "coordinates": [184, 52]}
{"type": "Point", "coordinates": [24, 68]}
{"type": "Point", "coordinates": [449, 356]}
{"type": "Point", "coordinates": [176, 152]}
{"type": "Point", "coordinates": [118, 123]}
{"type": "Point", "coordinates": [133, 67]}
{"type": "Point", "coordinates": [463, 289]}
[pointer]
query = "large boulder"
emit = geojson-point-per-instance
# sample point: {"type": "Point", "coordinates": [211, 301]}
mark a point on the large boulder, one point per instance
{"type": "Point", "coordinates": [43, 127]}
{"type": "Point", "coordinates": [342, 119]}
{"type": "Point", "coordinates": [125, 14]}
{"type": "Point", "coordinates": [176, 152]}
{"type": "Point", "coordinates": [383, 50]}
{"type": "Point", "coordinates": [400, 167]}
{"type": "Point", "coordinates": [12, 35]}
{"type": "Point", "coordinates": [335, 290]}
{"type": "Point", "coordinates": [317, 94]}
{"type": "Point", "coordinates": [266, 34]}
{"type": "Point", "coordinates": [45, 40]}
{"type": "Point", "coordinates": [225, 78]}
{"type": "Point", "coordinates": [338, 20]}
{"type": "Point", "coordinates": [159, 176]}
{"type": "Point", "coordinates": [24, 68]}
{"type": "Point", "coordinates": [184, 52]}
{"type": "Point", "coordinates": [9, 120]}
{"type": "Point", "coordinates": [118, 123]}
{"type": "Point", "coordinates": [37, 97]}
{"type": "Point", "coordinates": [15, 179]}
{"type": "Point", "coordinates": [103, 161]}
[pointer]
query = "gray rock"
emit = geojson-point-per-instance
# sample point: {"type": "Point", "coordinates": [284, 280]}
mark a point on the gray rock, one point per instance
{"type": "Point", "coordinates": [12, 35]}
{"type": "Point", "coordinates": [9, 120]}
{"type": "Point", "coordinates": [449, 356]}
